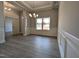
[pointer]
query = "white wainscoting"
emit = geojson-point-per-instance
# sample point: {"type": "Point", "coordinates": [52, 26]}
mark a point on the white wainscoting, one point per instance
{"type": "Point", "coordinates": [68, 45]}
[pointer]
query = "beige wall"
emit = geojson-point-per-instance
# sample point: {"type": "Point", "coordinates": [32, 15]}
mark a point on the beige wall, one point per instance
{"type": "Point", "coordinates": [25, 23]}
{"type": "Point", "coordinates": [53, 14]}
{"type": "Point", "coordinates": [14, 14]}
{"type": "Point", "coordinates": [68, 29]}
{"type": "Point", "coordinates": [2, 35]}
{"type": "Point", "coordinates": [21, 21]}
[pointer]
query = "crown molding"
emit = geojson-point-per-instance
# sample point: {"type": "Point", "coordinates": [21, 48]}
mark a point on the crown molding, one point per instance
{"type": "Point", "coordinates": [27, 5]}
{"type": "Point", "coordinates": [43, 7]}
{"type": "Point", "coordinates": [37, 8]}
{"type": "Point", "coordinates": [28, 8]}
{"type": "Point", "coordinates": [19, 4]}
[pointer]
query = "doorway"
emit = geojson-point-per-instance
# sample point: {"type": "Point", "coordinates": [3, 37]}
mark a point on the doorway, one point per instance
{"type": "Point", "coordinates": [8, 26]}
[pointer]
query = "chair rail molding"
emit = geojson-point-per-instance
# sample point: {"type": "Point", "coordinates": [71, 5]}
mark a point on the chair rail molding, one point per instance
{"type": "Point", "coordinates": [68, 44]}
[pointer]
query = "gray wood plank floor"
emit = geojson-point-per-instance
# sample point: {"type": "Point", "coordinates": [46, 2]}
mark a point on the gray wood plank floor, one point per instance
{"type": "Point", "coordinates": [29, 47]}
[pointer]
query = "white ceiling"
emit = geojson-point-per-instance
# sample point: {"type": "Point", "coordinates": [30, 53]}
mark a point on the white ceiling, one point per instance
{"type": "Point", "coordinates": [9, 5]}
{"type": "Point", "coordinates": [35, 5]}
{"type": "Point", "coordinates": [6, 4]}
{"type": "Point", "coordinates": [38, 4]}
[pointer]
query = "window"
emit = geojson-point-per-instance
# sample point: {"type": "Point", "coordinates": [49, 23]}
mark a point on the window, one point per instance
{"type": "Point", "coordinates": [46, 23]}
{"type": "Point", "coordinates": [43, 23]}
{"type": "Point", "coordinates": [39, 24]}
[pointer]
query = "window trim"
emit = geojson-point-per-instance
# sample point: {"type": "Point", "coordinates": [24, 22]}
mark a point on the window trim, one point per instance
{"type": "Point", "coordinates": [42, 24]}
{"type": "Point", "coordinates": [36, 25]}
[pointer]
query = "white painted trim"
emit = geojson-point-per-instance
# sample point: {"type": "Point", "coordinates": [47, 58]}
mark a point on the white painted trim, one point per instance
{"type": "Point", "coordinates": [71, 41]}
{"type": "Point", "coordinates": [27, 5]}
{"type": "Point", "coordinates": [17, 4]}
{"type": "Point", "coordinates": [43, 7]}
{"type": "Point", "coordinates": [68, 35]}
{"type": "Point", "coordinates": [61, 48]}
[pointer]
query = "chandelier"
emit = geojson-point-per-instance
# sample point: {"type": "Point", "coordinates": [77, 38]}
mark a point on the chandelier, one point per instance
{"type": "Point", "coordinates": [8, 9]}
{"type": "Point", "coordinates": [33, 15]}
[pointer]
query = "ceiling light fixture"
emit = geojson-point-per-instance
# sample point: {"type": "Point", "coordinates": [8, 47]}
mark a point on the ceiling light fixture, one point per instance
{"type": "Point", "coordinates": [30, 15]}
{"type": "Point", "coordinates": [33, 15]}
{"type": "Point", "coordinates": [8, 9]}
{"type": "Point", "coordinates": [5, 8]}
{"type": "Point", "coordinates": [37, 15]}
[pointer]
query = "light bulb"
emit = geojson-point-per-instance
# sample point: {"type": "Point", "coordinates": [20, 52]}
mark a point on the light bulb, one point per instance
{"type": "Point", "coordinates": [37, 15]}
{"type": "Point", "coordinates": [9, 9]}
{"type": "Point", "coordinates": [5, 8]}
{"type": "Point", "coordinates": [34, 14]}
{"type": "Point", "coordinates": [30, 15]}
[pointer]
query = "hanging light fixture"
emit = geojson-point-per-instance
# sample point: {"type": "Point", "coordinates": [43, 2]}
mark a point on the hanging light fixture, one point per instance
{"type": "Point", "coordinates": [30, 15]}
{"type": "Point", "coordinates": [8, 9]}
{"type": "Point", "coordinates": [37, 15]}
{"type": "Point", "coordinates": [33, 15]}
{"type": "Point", "coordinates": [5, 8]}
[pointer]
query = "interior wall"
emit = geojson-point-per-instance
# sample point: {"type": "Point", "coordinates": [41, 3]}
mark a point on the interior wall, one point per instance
{"type": "Point", "coordinates": [8, 26]}
{"type": "Point", "coordinates": [53, 14]}
{"type": "Point", "coordinates": [68, 29]}
{"type": "Point", "coordinates": [16, 26]}
{"type": "Point", "coordinates": [14, 14]}
{"type": "Point", "coordinates": [25, 23]}
{"type": "Point", "coordinates": [21, 21]}
{"type": "Point", "coordinates": [2, 35]}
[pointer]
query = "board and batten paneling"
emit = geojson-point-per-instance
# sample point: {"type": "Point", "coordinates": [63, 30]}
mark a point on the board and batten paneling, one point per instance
{"type": "Point", "coordinates": [68, 29]}
{"type": "Point", "coordinates": [68, 45]}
